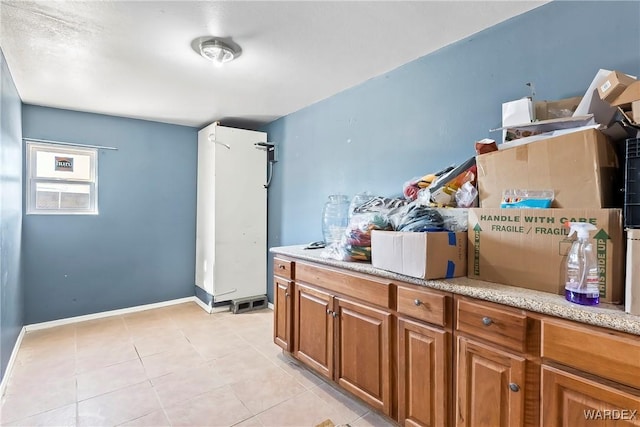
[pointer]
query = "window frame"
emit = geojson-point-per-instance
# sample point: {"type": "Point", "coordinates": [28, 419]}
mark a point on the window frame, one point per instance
{"type": "Point", "coordinates": [32, 148]}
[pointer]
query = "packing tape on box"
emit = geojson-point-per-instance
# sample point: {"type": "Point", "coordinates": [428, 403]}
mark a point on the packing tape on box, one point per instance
{"type": "Point", "coordinates": [452, 239]}
{"type": "Point", "coordinates": [451, 268]}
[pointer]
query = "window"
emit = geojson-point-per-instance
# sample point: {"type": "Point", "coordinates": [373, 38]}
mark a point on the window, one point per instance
{"type": "Point", "coordinates": [61, 179]}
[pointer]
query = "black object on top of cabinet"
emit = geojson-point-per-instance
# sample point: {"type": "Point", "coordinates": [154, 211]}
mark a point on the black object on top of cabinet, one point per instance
{"type": "Point", "coordinates": [632, 184]}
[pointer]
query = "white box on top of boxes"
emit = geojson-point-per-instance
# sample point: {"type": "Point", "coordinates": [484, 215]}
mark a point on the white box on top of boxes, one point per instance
{"type": "Point", "coordinates": [428, 255]}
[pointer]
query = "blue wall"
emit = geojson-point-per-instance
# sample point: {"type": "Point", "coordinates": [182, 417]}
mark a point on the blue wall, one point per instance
{"type": "Point", "coordinates": [427, 114]}
{"type": "Point", "coordinates": [11, 283]}
{"type": "Point", "coordinates": [140, 249]}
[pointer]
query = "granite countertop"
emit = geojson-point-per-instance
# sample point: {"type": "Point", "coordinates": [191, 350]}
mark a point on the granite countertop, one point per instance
{"type": "Point", "coordinates": [604, 315]}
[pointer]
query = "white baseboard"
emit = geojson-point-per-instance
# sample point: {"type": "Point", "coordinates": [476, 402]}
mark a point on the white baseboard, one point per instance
{"type": "Point", "coordinates": [12, 360]}
{"type": "Point", "coordinates": [202, 305]}
{"type": "Point", "coordinates": [54, 323]}
{"type": "Point", "coordinates": [270, 305]}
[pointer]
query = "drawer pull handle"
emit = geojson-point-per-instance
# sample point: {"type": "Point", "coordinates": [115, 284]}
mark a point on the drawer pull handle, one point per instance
{"type": "Point", "coordinates": [281, 267]}
{"type": "Point", "coordinates": [514, 387]}
{"type": "Point", "coordinates": [486, 321]}
{"type": "Point", "coordinates": [417, 302]}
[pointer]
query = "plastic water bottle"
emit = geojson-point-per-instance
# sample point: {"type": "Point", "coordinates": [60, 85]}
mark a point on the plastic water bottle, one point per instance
{"type": "Point", "coordinates": [335, 218]}
{"type": "Point", "coordinates": [581, 284]}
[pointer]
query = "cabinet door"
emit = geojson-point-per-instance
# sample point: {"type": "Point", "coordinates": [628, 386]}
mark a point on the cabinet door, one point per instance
{"type": "Point", "coordinates": [282, 313]}
{"type": "Point", "coordinates": [313, 329]}
{"type": "Point", "coordinates": [424, 353]}
{"type": "Point", "coordinates": [490, 386]}
{"type": "Point", "coordinates": [363, 354]}
{"type": "Point", "coordinates": [569, 400]}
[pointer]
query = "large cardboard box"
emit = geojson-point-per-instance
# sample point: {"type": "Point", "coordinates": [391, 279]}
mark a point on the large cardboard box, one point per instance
{"type": "Point", "coordinates": [528, 247]}
{"type": "Point", "coordinates": [430, 255]}
{"type": "Point", "coordinates": [613, 86]}
{"type": "Point", "coordinates": [580, 167]}
{"type": "Point", "coordinates": [632, 286]}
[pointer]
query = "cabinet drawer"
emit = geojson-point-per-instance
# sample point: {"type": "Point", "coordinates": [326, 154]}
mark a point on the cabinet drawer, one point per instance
{"type": "Point", "coordinates": [367, 288]}
{"type": "Point", "coordinates": [610, 355]}
{"type": "Point", "coordinates": [283, 268]}
{"type": "Point", "coordinates": [493, 323]}
{"type": "Point", "coordinates": [423, 304]}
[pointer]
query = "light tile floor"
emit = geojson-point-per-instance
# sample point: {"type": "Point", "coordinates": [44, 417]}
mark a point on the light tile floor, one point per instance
{"type": "Point", "coordinates": [172, 366]}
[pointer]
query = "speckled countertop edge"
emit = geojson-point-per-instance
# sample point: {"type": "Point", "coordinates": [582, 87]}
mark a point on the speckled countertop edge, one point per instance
{"type": "Point", "coordinates": [605, 315]}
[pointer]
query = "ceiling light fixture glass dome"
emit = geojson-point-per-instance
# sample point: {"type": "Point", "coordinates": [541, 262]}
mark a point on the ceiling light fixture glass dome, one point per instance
{"type": "Point", "coordinates": [217, 51]}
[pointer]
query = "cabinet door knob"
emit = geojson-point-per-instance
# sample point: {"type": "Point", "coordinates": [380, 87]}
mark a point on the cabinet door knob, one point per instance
{"type": "Point", "coordinates": [286, 294]}
{"type": "Point", "coordinates": [417, 302]}
{"type": "Point", "coordinates": [486, 321]}
{"type": "Point", "coordinates": [329, 311]}
{"type": "Point", "coordinates": [514, 387]}
{"type": "Point", "coordinates": [334, 314]}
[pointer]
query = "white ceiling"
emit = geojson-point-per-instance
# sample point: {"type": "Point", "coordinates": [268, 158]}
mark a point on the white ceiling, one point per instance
{"type": "Point", "coordinates": [134, 58]}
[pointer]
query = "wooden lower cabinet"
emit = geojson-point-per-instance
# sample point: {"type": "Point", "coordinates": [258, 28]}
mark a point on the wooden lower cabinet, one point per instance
{"type": "Point", "coordinates": [424, 367]}
{"type": "Point", "coordinates": [283, 302]}
{"type": "Point", "coordinates": [571, 400]}
{"type": "Point", "coordinates": [313, 329]}
{"type": "Point", "coordinates": [431, 358]}
{"type": "Point", "coordinates": [360, 360]}
{"type": "Point", "coordinates": [363, 353]}
{"type": "Point", "coordinates": [490, 386]}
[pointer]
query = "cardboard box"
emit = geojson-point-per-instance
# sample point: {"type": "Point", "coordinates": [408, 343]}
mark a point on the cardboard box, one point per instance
{"type": "Point", "coordinates": [581, 168]}
{"type": "Point", "coordinates": [632, 286]}
{"type": "Point", "coordinates": [613, 86]}
{"type": "Point", "coordinates": [528, 247]}
{"type": "Point", "coordinates": [630, 94]}
{"type": "Point", "coordinates": [545, 110]}
{"type": "Point", "coordinates": [635, 112]}
{"type": "Point", "coordinates": [430, 255]}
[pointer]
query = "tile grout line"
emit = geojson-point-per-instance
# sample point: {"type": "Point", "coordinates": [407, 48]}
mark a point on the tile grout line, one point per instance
{"type": "Point", "coordinates": [162, 408]}
{"type": "Point", "coordinates": [147, 379]}
{"type": "Point", "coordinates": [305, 390]}
{"type": "Point", "coordinates": [317, 387]}
{"type": "Point", "coordinates": [146, 373]}
{"type": "Point", "coordinates": [3, 397]}
{"type": "Point", "coordinates": [182, 333]}
{"type": "Point", "coordinates": [245, 407]}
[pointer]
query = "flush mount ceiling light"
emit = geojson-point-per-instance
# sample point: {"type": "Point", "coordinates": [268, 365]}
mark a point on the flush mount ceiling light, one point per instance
{"type": "Point", "coordinates": [217, 50]}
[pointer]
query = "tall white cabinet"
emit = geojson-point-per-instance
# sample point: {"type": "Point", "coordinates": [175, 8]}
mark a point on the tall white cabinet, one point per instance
{"type": "Point", "coordinates": [231, 234]}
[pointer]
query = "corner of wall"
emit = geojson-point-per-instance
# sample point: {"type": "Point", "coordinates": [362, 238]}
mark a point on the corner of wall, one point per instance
{"type": "Point", "coordinates": [11, 269]}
